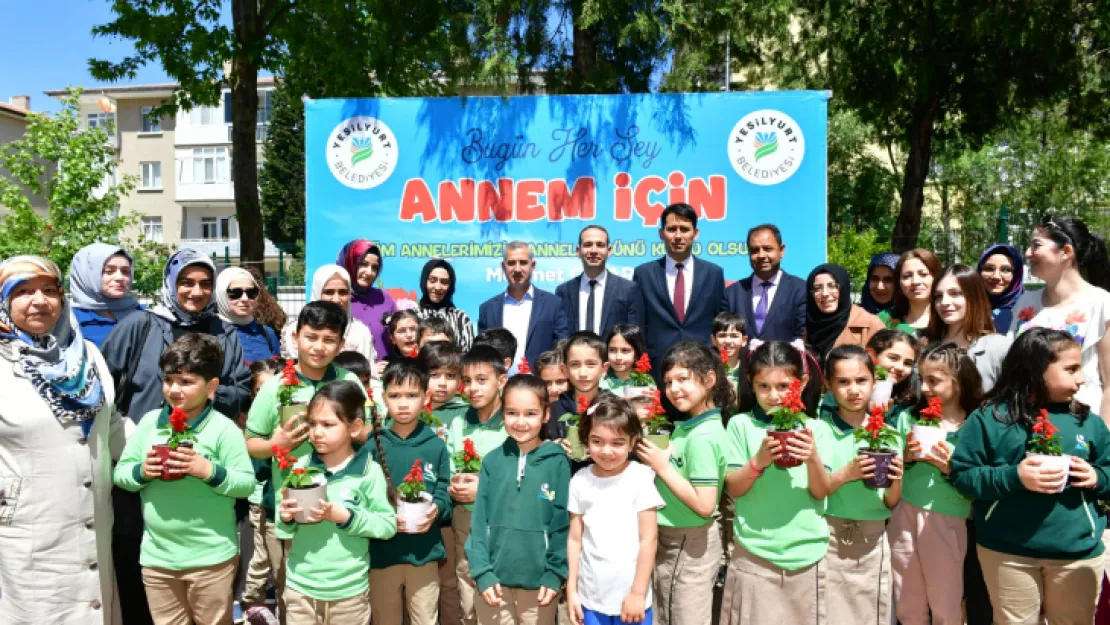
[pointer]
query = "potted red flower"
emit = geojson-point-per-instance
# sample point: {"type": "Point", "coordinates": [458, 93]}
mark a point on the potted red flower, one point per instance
{"type": "Point", "coordinates": [428, 418]}
{"type": "Point", "coordinates": [178, 434]}
{"type": "Point", "coordinates": [289, 409]}
{"type": "Point", "coordinates": [415, 499]}
{"type": "Point", "coordinates": [658, 428]}
{"type": "Point", "coordinates": [787, 419]}
{"type": "Point", "coordinates": [523, 368]}
{"type": "Point", "coordinates": [577, 449]}
{"type": "Point", "coordinates": [1044, 445]}
{"type": "Point", "coordinates": [881, 446]}
{"type": "Point", "coordinates": [304, 484]}
{"type": "Point", "coordinates": [467, 460]}
{"type": "Point", "coordinates": [927, 431]}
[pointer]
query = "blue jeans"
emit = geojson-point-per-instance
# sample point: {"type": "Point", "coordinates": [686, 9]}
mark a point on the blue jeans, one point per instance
{"type": "Point", "coordinates": [597, 618]}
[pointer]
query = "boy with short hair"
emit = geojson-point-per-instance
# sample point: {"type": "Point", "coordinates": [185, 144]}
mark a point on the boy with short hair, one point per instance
{"type": "Point", "coordinates": [443, 362]}
{"type": "Point", "coordinates": [502, 340]}
{"type": "Point", "coordinates": [549, 367]}
{"type": "Point", "coordinates": [483, 377]}
{"type": "Point", "coordinates": [585, 359]}
{"type": "Point", "coordinates": [433, 330]}
{"type": "Point", "coordinates": [730, 337]}
{"type": "Point", "coordinates": [355, 363]}
{"type": "Point", "coordinates": [188, 568]}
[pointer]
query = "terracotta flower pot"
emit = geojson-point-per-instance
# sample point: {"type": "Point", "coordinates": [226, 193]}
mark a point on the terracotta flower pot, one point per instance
{"type": "Point", "coordinates": [881, 477]}
{"type": "Point", "coordinates": [163, 451]}
{"type": "Point", "coordinates": [307, 499]}
{"type": "Point", "coordinates": [292, 411]}
{"type": "Point", "coordinates": [928, 436]}
{"type": "Point", "coordinates": [662, 441]}
{"type": "Point", "coordinates": [785, 460]}
{"type": "Point", "coordinates": [414, 513]}
{"type": "Point", "coordinates": [1054, 462]}
{"type": "Point", "coordinates": [577, 449]}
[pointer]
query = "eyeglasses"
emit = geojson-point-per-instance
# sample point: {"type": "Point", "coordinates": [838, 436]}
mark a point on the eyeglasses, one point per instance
{"type": "Point", "coordinates": [237, 293]}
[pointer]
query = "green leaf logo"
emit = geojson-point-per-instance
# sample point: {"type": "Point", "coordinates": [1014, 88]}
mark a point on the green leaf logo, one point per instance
{"type": "Point", "coordinates": [361, 149]}
{"type": "Point", "coordinates": [766, 144]}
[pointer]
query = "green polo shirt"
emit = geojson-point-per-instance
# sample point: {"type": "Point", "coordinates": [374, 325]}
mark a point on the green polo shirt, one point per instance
{"type": "Point", "coordinates": [698, 454]}
{"type": "Point", "coordinates": [777, 519]}
{"type": "Point", "coordinates": [927, 488]}
{"type": "Point", "coordinates": [189, 523]}
{"type": "Point", "coordinates": [329, 562]}
{"type": "Point", "coordinates": [486, 436]}
{"type": "Point", "coordinates": [853, 501]}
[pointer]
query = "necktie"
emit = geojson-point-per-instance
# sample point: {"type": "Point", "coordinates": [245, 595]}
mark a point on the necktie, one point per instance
{"type": "Point", "coordinates": [761, 307]}
{"type": "Point", "coordinates": [590, 307]}
{"type": "Point", "coordinates": [680, 293]}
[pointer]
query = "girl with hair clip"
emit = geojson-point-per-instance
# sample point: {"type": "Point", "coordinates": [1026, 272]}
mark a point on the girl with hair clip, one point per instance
{"type": "Point", "coordinates": [928, 527]}
{"type": "Point", "coordinates": [1073, 264]}
{"type": "Point", "coordinates": [1038, 528]}
{"type": "Point", "coordinates": [690, 478]}
{"type": "Point", "coordinates": [775, 571]}
{"type": "Point", "coordinates": [328, 562]}
{"type": "Point", "coordinates": [813, 388]}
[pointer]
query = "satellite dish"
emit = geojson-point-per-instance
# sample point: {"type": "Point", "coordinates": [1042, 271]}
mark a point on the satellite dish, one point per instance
{"type": "Point", "coordinates": [107, 105]}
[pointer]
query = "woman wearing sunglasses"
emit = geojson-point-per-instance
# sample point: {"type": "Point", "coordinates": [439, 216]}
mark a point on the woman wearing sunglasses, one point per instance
{"type": "Point", "coordinates": [237, 294]}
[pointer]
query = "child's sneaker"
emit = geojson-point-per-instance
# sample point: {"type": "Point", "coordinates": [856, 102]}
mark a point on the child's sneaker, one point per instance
{"type": "Point", "coordinates": [261, 615]}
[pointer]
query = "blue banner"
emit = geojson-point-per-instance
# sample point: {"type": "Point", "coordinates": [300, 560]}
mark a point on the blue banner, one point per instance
{"type": "Point", "coordinates": [457, 178]}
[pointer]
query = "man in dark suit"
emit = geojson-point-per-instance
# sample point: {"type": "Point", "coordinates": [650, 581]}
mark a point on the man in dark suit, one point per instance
{"type": "Point", "coordinates": [598, 299]}
{"type": "Point", "coordinates": [771, 301]}
{"type": "Point", "coordinates": [534, 316]}
{"type": "Point", "coordinates": [672, 311]}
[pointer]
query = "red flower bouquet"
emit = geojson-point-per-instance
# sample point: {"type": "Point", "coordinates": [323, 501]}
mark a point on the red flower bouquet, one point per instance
{"type": "Point", "coordinates": [467, 460]}
{"type": "Point", "coordinates": [641, 372]}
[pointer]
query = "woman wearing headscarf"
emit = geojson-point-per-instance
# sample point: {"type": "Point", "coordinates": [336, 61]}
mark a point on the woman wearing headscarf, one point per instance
{"type": "Point", "coordinates": [100, 277]}
{"type": "Point", "coordinates": [363, 262]}
{"type": "Point", "coordinates": [1002, 269]}
{"type": "Point", "coordinates": [437, 288]}
{"type": "Point", "coordinates": [58, 432]}
{"type": "Point", "coordinates": [332, 283]}
{"type": "Point", "coordinates": [878, 288]}
{"type": "Point", "coordinates": [831, 317]}
{"type": "Point", "coordinates": [237, 294]}
{"type": "Point", "coordinates": [132, 351]}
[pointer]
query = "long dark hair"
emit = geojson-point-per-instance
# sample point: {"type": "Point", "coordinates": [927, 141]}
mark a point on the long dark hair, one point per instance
{"type": "Point", "coordinates": [1090, 250]}
{"type": "Point", "coordinates": [348, 400]}
{"type": "Point", "coordinates": [613, 412]}
{"type": "Point", "coordinates": [901, 306]}
{"type": "Point", "coordinates": [978, 321]}
{"type": "Point", "coordinates": [883, 340]}
{"type": "Point", "coordinates": [701, 360]}
{"type": "Point", "coordinates": [1021, 386]}
{"type": "Point", "coordinates": [961, 367]}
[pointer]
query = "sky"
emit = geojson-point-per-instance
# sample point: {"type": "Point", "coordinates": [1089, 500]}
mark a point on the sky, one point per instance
{"type": "Point", "coordinates": [47, 44]}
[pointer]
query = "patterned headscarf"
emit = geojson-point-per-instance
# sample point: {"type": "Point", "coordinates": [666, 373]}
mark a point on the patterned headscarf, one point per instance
{"type": "Point", "coordinates": [57, 363]}
{"type": "Point", "coordinates": [350, 257]}
{"type": "Point", "coordinates": [85, 274]}
{"type": "Point", "coordinates": [223, 304]}
{"type": "Point", "coordinates": [168, 307]}
{"type": "Point", "coordinates": [868, 303]}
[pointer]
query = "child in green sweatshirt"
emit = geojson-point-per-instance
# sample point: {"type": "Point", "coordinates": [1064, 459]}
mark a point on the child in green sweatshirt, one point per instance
{"type": "Point", "coordinates": [404, 570]}
{"type": "Point", "coordinates": [1037, 525]}
{"type": "Point", "coordinates": [190, 547]}
{"type": "Point", "coordinates": [328, 562]}
{"type": "Point", "coordinates": [518, 538]}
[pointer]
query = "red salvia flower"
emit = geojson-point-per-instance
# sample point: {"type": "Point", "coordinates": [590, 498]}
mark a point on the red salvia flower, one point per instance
{"type": "Point", "coordinates": [298, 471]}
{"type": "Point", "coordinates": [932, 412]}
{"type": "Point", "coordinates": [523, 368]}
{"type": "Point", "coordinates": [462, 387]}
{"type": "Point", "coordinates": [416, 474]}
{"type": "Point", "coordinates": [792, 401]}
{"type": "Point", "coordinates": [1043, 426]}
{"type": "Point", "coordinates": [657, 404]}
{"type": "Point", "coordinates": [1026, 313]}
{"type": "Point", "coordinates": [469, 452]}
{"type": "Point", "coordinates": [289, 374]}
{"type": "Point", "coordinates": [724, 356]}
{"type": "Point", "coordinates": [875, 422]}
{"type": "Point", "coordinates": [369, 394]}
{"type": "Point", "coordinates": [428, 407]}
{"type": "Point", "coordinates": [643, 365]}
{"type": "Point", "coordinates": [178, 420]}
{"type": "Point", "coordinates": [412, 353]}
{"type": "Point", "coordinates": [583, 405]}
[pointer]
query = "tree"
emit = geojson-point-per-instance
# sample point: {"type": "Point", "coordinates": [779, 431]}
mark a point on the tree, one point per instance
{"type": "Point", "coordinates": [281, 182]}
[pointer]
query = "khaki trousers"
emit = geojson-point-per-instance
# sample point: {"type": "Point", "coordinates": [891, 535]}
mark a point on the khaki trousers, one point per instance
{"type": "Point", "coordinates": [686, 563]}
{"type": "Point", "coordinates": [519, 607]}
{"type": "Point", "coordinates": [405, 588]}
{"type": "Point", "coordinates": [758, 592]}
{"type": "Point", "coordinates": [200, 595]}
{"type": "Point", "coordinates": [268, 559]}
{"type": "Point", "coordinates": [468, 591]}
{"type": "Point", "coordinates": [857, 569]}
{"type": "Point", "coordinates": [305, 610]}
{"type": "Point", "coordinates": [1017, 584]}
{"type": "Point", "coordinates": [449, 609]}
{"type": "Point", "coordinates": [927, 552]}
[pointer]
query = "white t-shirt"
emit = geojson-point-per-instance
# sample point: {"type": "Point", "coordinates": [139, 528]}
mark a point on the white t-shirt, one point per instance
{"type": "Point", "coordinates": [1085, 318]}
{"type": "Point", "coordinates": [611, 538]}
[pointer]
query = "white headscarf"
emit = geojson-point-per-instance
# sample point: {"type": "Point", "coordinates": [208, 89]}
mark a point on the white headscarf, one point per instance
{"type": "Point", "coordinates": [223, 304]}
{"type": "Point", "coordinates": [321, 277]}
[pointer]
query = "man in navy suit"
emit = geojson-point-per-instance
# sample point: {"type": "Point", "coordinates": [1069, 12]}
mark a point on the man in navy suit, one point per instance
{"type": "Point", "coordinates": [771, 301]}
{"type": "Point", "coordinates": [672, 311]}
{"type": "Point", "coordinates": [534, 316]}
{"type": "Point", "coordinates": [598, 299]}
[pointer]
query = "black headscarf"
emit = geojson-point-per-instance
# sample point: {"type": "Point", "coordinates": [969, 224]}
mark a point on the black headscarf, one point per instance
{"type": "Point", "coordinates": [425, 301]}
{"type": "Point", "coordinates": [822, 329]}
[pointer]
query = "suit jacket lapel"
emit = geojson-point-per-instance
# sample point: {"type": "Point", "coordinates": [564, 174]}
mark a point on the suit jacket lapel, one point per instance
{"type": "Point", "coordinates": [700, 278]}
{"type": "Point", "coordinates": [533, 316]}
{"type": "Point", "coordinates": [608, 296]}
{"type": "Point", "coordinates": [780, 295]}
{"type": "Point", "coordinates": [746, 286]}
{"type": "Point", "coordinates": [661, 284]}
{"type": "Point", "coordinates": [572, 294]}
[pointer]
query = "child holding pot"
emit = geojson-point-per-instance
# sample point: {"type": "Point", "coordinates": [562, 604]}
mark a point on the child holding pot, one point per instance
{"type": "Point", "coordinates": [775, 571]}
{"type": "Point", "coordinates": [188, 568]}
{"type": "Point", "coordinates": [328, 562]}
{"type": "Point", "coordinates": [404, 570]}
{"type": "Point", "coordinates": [1035, 462]}
{"type": "Point", "coordinates": [857, 566]}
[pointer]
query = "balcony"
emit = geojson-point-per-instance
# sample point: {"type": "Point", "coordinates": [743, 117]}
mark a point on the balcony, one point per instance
{"type": "Point", "coordinates": [260, 132]}
{"type": "Point", "coordinates": [205, 192]}
{"type": "Point", "coordinates": [223, 247]}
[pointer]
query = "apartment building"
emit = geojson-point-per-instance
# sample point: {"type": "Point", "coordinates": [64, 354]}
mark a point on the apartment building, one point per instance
{"type": "Point", "coordinates": [182, 163]}
{"type": "Point", "coordinates": [13, 123]}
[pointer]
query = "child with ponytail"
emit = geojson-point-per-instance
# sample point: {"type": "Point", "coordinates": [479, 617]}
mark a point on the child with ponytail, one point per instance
{"type": "Point", "coordinates": [1038, 529]}
{"type": "Point", "coordinates": [690, 478]}
{"type": "Point", "coordinates": [328, 562]}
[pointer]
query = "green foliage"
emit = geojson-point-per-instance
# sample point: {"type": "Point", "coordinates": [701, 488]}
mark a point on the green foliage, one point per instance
{"type": "Point", "coordinates": [281, 183]}
{"type": "Point", "coordinates": [862, 190]}
{"type": "Point", "coordinates": [148, 261]}
{"type": "Point", "coordinates": [853, 250]}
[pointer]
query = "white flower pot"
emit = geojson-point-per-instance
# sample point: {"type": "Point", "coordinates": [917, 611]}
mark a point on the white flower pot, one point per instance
{"type": "Point", "coordinates": [1054, 462]}
{"type": "Point", "coordinates": [928, 436]}
{"type": "Point", "coordinates": [413, 514]}
{"type": "Point", "coordinates": [880, 395]}
{"type": "Point", "coordinates": [309, 498]}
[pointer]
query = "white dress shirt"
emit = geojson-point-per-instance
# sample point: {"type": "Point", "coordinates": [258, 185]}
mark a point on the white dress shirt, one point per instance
{"type": "Point", "coordinates": [687, 272]}
{"type": "Point", "coordinates": [584, 298]}
{"type": "Point", "coordinates": [757, 289]}
{"type": "Point", "coordinates": [515, 315]}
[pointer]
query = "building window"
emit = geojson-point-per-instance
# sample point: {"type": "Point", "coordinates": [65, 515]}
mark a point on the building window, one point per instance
{"type": "Point", "coordinates": [151, 177]}
{"type": "Point", "coordinates": [150, 122]}
{"type": "Point", "coordinates": [210, 165]}
{"type": "Point", "coordinates": [204, 115]}
{"type": "Point", "coordinates": [215, 228]}
{"type": "Point", "coordinates": [101, 120]}
{"type": "Point", "coordinates": [152, 229]}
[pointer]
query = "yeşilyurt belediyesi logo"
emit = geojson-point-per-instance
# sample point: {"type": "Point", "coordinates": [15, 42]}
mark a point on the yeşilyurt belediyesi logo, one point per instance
{"type": "Point", "coordinates": [362, 152]}
{"type": "Point", "coordinates": [766, 147]}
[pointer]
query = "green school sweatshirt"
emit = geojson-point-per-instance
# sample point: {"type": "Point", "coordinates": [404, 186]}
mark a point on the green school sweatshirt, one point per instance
{"type": "Point", "coordinates": [329, 562]}
{"type": "Point", "coordinates": [400, 454]}
{"type": "Point", "coordinates": [189, 523]}
{"type": "Point", "coordinates": [518, 533]}
{"type": "Point", "coordinates": [486, 436]}
{"type": "Point", "coordinates": [451, 409]}
{"type": "Point", "coordinates": [1012, 520]}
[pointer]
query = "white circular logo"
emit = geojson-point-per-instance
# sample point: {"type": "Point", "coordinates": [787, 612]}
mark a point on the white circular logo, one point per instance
{"type": "Point", "coordinates": [362, 152]}
{"type": "Point", "coordinates": [766, 147]}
